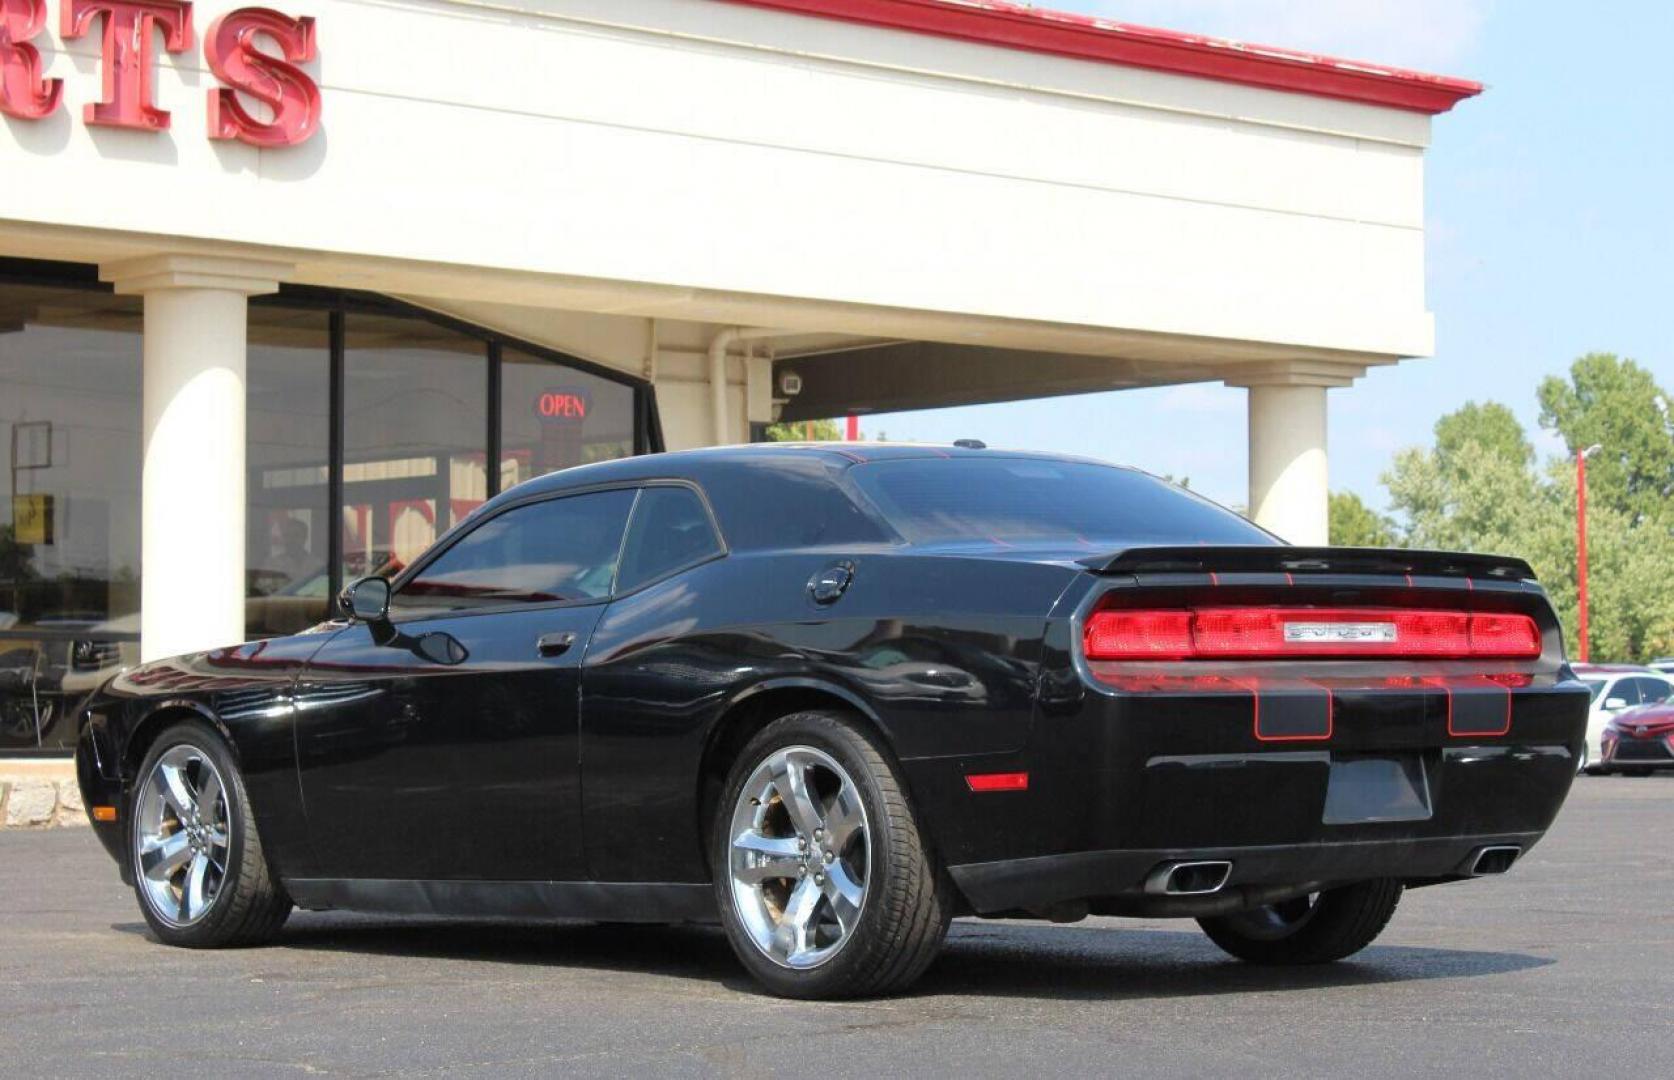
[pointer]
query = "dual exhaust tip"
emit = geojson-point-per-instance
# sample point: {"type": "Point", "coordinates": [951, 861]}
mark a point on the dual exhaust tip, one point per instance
{"type": "Point", "coordinates": [1492, 860]}
{"type": "Point", "coordinates": [1204, 877]}
{"type": "Point", "coordinates": [1188, 878]}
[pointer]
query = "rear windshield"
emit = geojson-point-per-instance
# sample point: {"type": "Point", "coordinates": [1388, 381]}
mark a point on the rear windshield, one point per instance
{"type": "Point", "coordinates": [1034, 501]}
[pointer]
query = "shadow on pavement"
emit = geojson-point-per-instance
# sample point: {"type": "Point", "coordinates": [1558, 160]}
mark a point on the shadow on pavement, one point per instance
{"type": "Point", "coordinates": [1004, 959]}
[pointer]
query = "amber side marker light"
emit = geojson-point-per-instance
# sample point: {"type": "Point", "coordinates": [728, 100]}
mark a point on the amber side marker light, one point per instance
{"type": "Point", "coordinates": [104, 813]}
{"type": "Point", "coordinates": [997, 781]}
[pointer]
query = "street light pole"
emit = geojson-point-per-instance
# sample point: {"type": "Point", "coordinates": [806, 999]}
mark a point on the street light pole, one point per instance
{"type": "Point", "coordinates": [1581, 547]}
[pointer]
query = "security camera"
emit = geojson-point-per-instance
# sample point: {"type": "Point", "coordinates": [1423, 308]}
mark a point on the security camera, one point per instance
{"type": "Point", "coordinates": [790, 384]}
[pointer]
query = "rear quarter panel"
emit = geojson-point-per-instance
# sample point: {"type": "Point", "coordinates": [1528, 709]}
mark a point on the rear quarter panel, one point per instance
{"type": "Point", "coordinates": [941, 653]}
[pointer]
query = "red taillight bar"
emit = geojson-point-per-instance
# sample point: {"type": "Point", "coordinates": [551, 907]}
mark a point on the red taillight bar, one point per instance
{"type": "Point", "coordinates": [1260, 633]}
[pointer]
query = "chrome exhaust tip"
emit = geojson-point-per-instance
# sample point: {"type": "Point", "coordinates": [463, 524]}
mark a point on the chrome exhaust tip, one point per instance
{"type": "Point", "coordinates": [1188, 878]}
{"type": "Point", "coordinates": [1494, 860]}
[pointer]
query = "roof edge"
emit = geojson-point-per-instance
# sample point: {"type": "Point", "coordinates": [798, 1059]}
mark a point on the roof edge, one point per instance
{"type": "Point", "coordinates": [1084, 37]}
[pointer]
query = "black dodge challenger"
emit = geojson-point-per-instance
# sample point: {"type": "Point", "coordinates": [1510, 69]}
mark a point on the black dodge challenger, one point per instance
{"type": "Point", "coordinates": [834, 696]}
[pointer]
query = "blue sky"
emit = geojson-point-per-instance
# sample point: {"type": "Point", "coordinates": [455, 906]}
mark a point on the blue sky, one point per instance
{"type": "Point", "coordinates": [1548, 225]}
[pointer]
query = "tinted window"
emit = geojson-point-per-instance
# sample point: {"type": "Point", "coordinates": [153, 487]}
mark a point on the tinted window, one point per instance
{"type": "Point", "coordinates": [1652, 691]}
{"type": "Point", "coordinates": [1625, 689]}
{"type": "Point", "coordinates": [1593, 687]}
{"type": "Point", "coordinates": [670, 530]}
{"type": "Point", "coordinates": [560, 549]}
{"type": "Point", "coordinates": [1024, 500]}
{"type": "Point", "coordinates": [786, 501]}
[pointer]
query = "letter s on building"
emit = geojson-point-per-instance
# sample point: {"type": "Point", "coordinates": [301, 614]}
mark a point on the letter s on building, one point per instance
{"type": "Point", "coordinates": [293, 97]}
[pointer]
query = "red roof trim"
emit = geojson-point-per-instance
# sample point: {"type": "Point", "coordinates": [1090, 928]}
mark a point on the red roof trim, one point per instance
{"type": "Point", "coordinates": [1013, 26]}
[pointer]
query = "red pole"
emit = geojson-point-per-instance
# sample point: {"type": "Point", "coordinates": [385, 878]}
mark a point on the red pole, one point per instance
{"type": "Point", "coordinates": [854, 428]}
{"type": "Point", "coordinates": [1581, 551]}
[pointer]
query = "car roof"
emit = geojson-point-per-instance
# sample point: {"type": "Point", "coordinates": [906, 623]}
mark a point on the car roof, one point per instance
{"type": "Point", "coordinates": [1613, 669]}
{"type": "Point", "coordinates": [685, 464]}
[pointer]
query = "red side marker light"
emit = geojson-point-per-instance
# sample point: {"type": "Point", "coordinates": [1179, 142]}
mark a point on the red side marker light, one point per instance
{"type": "Point", "coordinates": [998, 781]}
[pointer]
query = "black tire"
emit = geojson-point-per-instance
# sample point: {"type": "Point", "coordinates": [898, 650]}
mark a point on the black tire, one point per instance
{"type": "Point", "coordinates": [250, 905]}
{"type": "Point", "coordinates": [908, 900]}
{"type": "Point", "coordinates": [1334, 924]}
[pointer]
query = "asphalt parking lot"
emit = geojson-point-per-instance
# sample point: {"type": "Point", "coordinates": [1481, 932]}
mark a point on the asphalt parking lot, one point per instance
{"type": "Point", "coordinates": [1565, 965]}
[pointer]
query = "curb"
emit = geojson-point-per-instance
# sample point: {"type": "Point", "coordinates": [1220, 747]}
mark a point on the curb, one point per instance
{"type": "Point", "coordinates": [31, 803]}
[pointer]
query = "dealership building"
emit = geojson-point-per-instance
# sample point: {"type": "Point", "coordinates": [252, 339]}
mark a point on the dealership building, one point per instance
{"type": "Point", "coordinates": [286, 293]}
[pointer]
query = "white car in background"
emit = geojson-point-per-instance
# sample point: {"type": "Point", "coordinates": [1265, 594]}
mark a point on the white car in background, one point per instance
{"type": "Point", "coordinates": [1616, 687]}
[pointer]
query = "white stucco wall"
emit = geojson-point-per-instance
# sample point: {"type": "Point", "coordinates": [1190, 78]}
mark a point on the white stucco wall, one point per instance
{"type": "Point", "coordinates": [697, 145]}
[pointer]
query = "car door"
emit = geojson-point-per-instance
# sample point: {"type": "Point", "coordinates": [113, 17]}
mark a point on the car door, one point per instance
{"type": "Point", "coordinates": [442, 743]}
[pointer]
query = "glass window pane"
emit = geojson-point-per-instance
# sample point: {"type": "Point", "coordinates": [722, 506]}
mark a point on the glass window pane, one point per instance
{"type": "Point", "coordinates": [1038, 500]}
{"type": "Point", "coordinates": [554, 417]}
{"type": "Point", "coordinates": [415, 439]}
{"type": "Point", "coordinates": [288, 388]}
{"type": "Point", "coordinates": [70, 445]}
{"type": "Point", "coordinates": [557, 550]}
{"type": "Point", "coordinates": [670, 531]}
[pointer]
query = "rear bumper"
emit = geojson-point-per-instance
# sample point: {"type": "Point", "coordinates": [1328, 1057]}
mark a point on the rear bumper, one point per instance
{"type": "Point", "coordinates": [1117, 876]}
{"type": "Point", "coordinates": [1325, 781]}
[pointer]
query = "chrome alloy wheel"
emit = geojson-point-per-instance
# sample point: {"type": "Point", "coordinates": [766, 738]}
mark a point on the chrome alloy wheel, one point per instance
{"type": "Point", "coordinates": [799, 857]}
{"type": "Point", "coordinates": [181, 836]}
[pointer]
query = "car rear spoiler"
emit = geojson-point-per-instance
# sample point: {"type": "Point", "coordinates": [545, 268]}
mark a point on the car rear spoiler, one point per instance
{"type": "Point", "coordinates": [1283, 559]}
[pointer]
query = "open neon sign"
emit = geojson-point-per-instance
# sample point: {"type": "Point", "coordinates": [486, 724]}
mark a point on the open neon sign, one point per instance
{"type": "Point", "coordinates": [129, 32]}
{"type": "Point", "coordinates": [562, 405]}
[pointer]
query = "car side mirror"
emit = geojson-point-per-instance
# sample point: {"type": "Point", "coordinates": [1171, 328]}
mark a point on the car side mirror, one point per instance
{"type": "Point", "coordinates": [366, 600]}
{"type": "Point", "coordinates": [1614, 704]}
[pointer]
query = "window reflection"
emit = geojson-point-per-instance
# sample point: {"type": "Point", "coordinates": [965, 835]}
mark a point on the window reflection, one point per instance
{"type": "Point", "coordinates": [553, 417]}
{"type": "Point", "coordinates": [69, 517]}
{"type": "Point", "coordinates": [415, 446]}
{"type": "Point", "coordinates": [288, 389]}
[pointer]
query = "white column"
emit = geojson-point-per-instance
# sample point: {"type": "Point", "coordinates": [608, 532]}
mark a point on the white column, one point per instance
{"type": "Point", "coordinates": [1289, 474]}
{"type": "Point", "coordinates": [192, 493]}
{"type": "Point", "coordinates": [1289, 479]}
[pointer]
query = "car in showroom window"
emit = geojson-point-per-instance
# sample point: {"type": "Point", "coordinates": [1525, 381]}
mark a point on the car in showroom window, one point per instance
{"type": "Point", "coordinates": [834, 698]}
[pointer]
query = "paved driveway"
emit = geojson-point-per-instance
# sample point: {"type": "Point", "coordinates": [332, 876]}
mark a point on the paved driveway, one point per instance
{"type": "Point", "coordinates": [1565, 966]}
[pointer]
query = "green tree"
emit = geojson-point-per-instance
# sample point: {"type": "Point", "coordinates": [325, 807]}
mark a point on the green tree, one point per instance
{"type": "Point", "coordinates": [805, 431]}
{"type": "Point", "coordinates": [1490, 425]}
{"type": "Point", "coordinates": [1354, 524]}
{"type": "Point", "coordinates": [1614, 403]}
{"type": "Point", "coordinates": [1478, 490]}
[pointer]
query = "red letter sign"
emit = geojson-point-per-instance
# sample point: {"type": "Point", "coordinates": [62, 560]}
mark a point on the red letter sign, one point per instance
{"type": "Point", "coordinates": [281, 86]}
{"type": "Point", "coordinates": [23, 93]}
{"type": "Point", "coordinates": [129, 25]}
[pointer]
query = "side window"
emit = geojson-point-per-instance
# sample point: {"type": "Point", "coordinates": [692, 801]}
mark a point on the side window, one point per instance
{"type": "Point", "coordinates": [670, 530]}
{"type": "Point", "coordinates": [1652, 691]}
{"type": "Point", "coordinates": [556, 550]}
{"type": "Point", "coordinates": [1625, 689]}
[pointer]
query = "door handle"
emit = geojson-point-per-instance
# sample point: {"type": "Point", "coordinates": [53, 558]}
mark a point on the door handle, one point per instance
{"type": "Point", "coordinates": [554, 644]}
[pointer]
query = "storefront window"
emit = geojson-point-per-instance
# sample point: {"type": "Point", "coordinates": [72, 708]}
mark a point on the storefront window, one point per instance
{"type": "Point", "coordinates": [554, 417]}
{"type": "Point", "coordinates": [414, 453]}
{"type": "Point", "coordinates": [287, 521]}
{"type": "Point", "coordinates": [70, 441]}
{"type": "Point", "coordinates": [415, 438]}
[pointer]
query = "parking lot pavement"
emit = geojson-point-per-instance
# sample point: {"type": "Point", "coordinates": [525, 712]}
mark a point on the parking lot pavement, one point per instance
{"type": "Point", "coordinates": [1565, 965]}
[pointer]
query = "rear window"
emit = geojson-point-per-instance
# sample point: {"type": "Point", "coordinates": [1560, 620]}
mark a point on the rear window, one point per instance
{"type": "Point", "coordinates": [1030, 501]}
